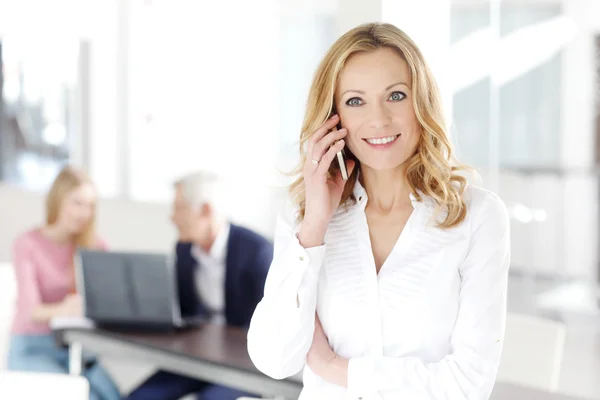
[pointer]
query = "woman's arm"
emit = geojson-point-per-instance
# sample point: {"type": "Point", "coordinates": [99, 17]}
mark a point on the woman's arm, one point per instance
{"type": "Point", "coordinates": [469, 370]}
{"type": "Point", "coordinates": [282, 325]}
{"type": "Point", "coordinates": [28, 295]}
{"type": "Point", "coordinates": [70, 305]}
{"type": "Point", "coordinates": [45, 312]}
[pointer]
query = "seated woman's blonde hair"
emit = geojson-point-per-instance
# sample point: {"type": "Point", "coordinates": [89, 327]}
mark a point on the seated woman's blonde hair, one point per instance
{"type": "Point", "coordinates": [68, 179]}
{"type": "Point", "coordinates": [432, 169]}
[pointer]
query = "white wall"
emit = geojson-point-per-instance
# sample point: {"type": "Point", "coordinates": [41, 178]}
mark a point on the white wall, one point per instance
{"type": "Point", "coordinates": [563, 241]}
{"type": "Point", "coordinates": [203, 91]}
{"type": "Point", "coordinates": [123, 224]}
{"type": "Point", "coordinates": [128, 225]}
{"type": "Point", "coordinates": [578, 195]}
{"type": "Point", "coordinates": [7, 298]}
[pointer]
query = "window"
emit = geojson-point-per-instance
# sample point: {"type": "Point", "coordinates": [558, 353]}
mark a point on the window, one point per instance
{"type": "Point", "coordinates": [38, 107]}
{"type": "Point", "coordinates": [203, 92]}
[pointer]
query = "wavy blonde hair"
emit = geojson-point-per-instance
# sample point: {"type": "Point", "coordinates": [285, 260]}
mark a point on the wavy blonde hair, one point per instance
{"type": "Point", "coordinates": [68, 179]}
{"type": "Point", "coordinates": [432, 169]}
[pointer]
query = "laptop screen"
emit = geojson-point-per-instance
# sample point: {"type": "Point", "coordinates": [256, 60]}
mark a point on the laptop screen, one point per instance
{"type": "Point", "coordinates": [127, 287]}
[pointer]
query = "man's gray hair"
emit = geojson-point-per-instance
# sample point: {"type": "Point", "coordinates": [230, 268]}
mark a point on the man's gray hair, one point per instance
{"type": "Point", "coordinates": [202, 187]}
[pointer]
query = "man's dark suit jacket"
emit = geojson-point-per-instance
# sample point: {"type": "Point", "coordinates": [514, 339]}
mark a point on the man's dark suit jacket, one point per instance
{"type": "Point", "coordinates": [247, 262]}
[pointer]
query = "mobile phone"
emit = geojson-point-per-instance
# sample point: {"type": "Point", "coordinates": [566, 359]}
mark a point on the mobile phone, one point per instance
{"type": "Point", "coordinates": [340, 154]}
{"type": "Point", "coordinates": [341, 161]}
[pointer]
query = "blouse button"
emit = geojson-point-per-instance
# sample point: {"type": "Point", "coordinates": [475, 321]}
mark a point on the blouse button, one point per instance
{"type": "Point", "coordinates": [301, 258]}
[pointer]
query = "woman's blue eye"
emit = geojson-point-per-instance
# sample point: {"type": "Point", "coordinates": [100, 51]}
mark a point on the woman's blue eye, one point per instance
{"type": "Point", "coordinates": [354, 102]}
{"type": "Point", "coordinates": [397, 96]}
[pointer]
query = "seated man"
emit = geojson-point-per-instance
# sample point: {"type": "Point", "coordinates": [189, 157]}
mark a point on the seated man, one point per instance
{"type": "Point", "coordinates": [221, 270]}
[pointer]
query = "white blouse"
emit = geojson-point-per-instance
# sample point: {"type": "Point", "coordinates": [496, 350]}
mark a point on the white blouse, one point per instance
{"type": "Point", "coordinates": [429, 326]}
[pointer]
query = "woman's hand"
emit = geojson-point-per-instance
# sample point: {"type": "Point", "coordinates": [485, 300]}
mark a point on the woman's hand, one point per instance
{"type": "Point", "coordinates": [71, 306]}
{"type": "Point", "coordinates": [323, 361]}
{"type": "Point", "coordinates": [320, 353]}
{"type": "Point", "coordinates": [323, 193]}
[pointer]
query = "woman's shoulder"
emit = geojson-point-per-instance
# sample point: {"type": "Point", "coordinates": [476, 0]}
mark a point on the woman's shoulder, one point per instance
{"type": "Point", "coordinates": [483, 204]}
{"type": "Point", "coordinates": [27, 239]}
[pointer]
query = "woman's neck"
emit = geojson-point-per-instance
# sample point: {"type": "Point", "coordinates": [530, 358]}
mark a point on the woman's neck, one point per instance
{"type": "Point", "coordinates": [387, 189]}
{"type": "Point", "coordinates": [57, 234]}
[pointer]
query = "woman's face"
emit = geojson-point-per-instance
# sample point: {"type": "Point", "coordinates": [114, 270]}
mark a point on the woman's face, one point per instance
{"type": "Point", "coordinates": [77, 209]}
{"type": "Point", "coordinates": [374, 102]}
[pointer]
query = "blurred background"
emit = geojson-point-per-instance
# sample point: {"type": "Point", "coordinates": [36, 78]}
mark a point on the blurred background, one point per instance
{"type": "Point", "coordinates": [140, 92]}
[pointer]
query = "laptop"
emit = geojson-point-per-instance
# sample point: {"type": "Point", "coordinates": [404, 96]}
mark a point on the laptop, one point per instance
{"type": "Point", "coordinates": [130, 291]}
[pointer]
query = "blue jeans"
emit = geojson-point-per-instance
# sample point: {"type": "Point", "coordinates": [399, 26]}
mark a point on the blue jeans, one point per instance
{"type": "Point", "coordinates": [165, 385]}
{"type": "Point", "coordinates": [39, 353]}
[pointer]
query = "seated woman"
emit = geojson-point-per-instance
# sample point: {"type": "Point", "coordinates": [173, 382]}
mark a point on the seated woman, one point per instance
{"type": "Point", "coordinates": [43, 262]}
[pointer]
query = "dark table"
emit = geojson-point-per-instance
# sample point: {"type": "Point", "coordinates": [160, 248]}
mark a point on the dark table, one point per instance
{"type": "Point", "coordinates": [218, 354]}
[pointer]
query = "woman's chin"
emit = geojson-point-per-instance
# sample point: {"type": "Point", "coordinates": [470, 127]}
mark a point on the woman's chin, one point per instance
{"type": "Point", "coordinates": [77, 229]}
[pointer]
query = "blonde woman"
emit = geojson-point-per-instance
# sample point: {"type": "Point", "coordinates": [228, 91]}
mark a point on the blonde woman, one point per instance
{"type": "Point", "coordinates": [43, 262]}
{"type": "Point", "coordinates": [392, 284]}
